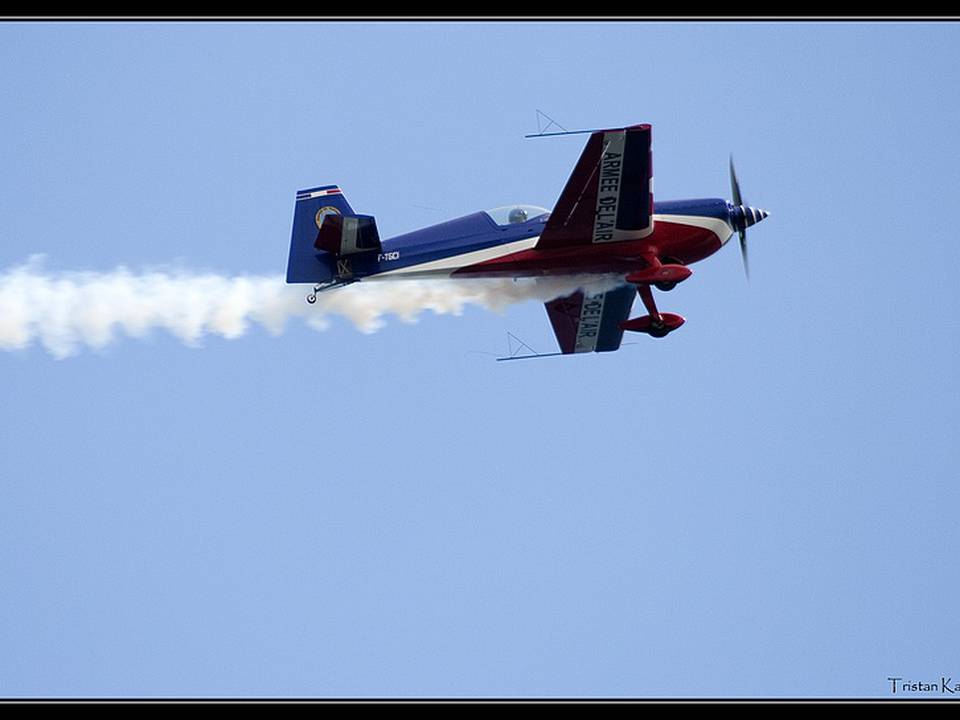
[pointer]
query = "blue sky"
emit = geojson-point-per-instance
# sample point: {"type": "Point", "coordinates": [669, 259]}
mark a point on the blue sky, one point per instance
{"type": "Point", "coordinates": [762, 504]}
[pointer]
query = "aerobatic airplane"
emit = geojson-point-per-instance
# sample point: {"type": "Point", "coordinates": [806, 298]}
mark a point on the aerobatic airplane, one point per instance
{"type": "Point", "coordinates": [604, 223]}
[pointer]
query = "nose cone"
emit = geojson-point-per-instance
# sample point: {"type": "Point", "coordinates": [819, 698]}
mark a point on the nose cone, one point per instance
{"type": "Point", "coordinates": [743, 216]}
{"type": "Point", "coordinates": [754, 215]}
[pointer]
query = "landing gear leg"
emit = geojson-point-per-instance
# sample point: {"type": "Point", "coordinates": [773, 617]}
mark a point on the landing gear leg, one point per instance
{"type": "Point", "coordinates": [646, 294]}
{"type": "Point", "coordinates": [337, 282]}
{"type": "Point", "coordinates": [655, 323]}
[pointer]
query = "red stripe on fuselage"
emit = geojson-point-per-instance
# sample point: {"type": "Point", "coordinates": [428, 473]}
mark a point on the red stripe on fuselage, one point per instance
{"type": "Point", "coordinates": [686, 243]}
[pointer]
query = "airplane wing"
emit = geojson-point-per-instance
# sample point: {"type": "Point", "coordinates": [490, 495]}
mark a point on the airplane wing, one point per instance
{"type": "Point", "coordinates": [591, 323]}
{"type": "Point", "coordinates": [609, 195]}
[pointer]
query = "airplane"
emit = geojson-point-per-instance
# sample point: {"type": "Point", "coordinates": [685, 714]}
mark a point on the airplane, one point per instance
{"type": "Point", "coordinates": [604, 223]}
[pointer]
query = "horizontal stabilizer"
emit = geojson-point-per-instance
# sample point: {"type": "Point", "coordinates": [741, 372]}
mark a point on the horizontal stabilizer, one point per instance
{"type": "Point", "coordinates": [348, 234]}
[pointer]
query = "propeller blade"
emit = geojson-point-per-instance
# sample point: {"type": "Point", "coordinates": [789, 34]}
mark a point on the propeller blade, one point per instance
{"type": "Point", "coordinates": [743, 253]}
{"type": "Point", "coordinates": [738, 200]}
{"type": "Point", "coordinates": [734, 185]}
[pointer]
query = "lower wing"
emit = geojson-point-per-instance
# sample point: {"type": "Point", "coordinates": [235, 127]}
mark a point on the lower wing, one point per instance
{"type": "Point", "coordinates": [591, 322]}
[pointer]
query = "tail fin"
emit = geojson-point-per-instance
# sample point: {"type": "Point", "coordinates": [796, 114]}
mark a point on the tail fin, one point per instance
{"type": "Point", "coordinates": [311, 206]}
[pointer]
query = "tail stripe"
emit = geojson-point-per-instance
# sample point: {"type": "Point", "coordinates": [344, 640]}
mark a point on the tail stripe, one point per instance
{"type": "Point", "coordinates": [318, 192]}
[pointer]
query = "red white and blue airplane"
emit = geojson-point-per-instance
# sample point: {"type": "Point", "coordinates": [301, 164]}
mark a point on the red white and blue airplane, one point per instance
{"type": "Point", "coordinates": [604, 223]}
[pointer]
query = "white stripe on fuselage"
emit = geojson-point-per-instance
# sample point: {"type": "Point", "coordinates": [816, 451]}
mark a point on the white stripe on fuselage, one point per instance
{"type": "Point", "coordinates": [446, 266]}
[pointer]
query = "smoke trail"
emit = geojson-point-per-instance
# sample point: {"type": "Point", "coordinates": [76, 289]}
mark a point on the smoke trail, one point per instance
{"type": "Point", "coordinates": [64, 311]}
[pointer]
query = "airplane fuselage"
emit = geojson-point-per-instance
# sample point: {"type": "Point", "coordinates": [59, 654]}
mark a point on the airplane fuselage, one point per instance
{"type": "Point", "coordinates": [474, 245]}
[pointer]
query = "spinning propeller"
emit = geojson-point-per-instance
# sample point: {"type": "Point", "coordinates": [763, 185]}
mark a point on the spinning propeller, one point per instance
{"type": "Point", "coordinates": [743, 216]}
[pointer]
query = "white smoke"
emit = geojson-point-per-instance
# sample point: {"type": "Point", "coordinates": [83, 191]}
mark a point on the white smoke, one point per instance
{"type": "Point", "coordinates": [65, 311]}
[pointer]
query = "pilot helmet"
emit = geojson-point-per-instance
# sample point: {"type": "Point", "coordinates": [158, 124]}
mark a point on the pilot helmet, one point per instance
{"type": "Point", "coordinates": [517, 215]}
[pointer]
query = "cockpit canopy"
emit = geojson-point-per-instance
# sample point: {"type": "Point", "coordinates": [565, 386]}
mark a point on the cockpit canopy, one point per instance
{"type": "Point", "coordinates": [514, 214]}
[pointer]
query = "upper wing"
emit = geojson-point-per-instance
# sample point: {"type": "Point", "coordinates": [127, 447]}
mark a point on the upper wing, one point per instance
{"type": "Point", "coordinates": [591, 323]}
{"type": "Point", "coordinates": [609, 195]}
